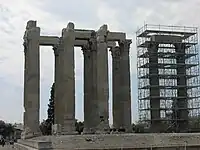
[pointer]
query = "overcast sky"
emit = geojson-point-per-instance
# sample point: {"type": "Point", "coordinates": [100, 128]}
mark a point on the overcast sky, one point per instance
{"type": "Point", "coordinates": [52, 16]}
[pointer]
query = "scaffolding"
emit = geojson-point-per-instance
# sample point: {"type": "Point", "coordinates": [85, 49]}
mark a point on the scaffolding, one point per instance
{"type": "Point", "coordinates": [168, 77]}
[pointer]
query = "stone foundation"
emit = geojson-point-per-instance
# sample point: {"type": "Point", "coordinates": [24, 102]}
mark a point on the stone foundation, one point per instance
{"type": "Point", "coordinates": [116, 141]}
{"type": "Point", "coordinates": [33, 145]}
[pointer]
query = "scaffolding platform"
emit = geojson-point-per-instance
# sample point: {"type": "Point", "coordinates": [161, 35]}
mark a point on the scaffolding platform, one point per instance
{"type": "Point", "coordinates": [168, 65]}
{"type": "Point", "coordinates": [168, 98]}
{"type": "Point", "coordinates": [149, 29]}
{"type": "Point", "coordinates": [168, 75]}
{"type": "Point", "coordinates": [166, 55]}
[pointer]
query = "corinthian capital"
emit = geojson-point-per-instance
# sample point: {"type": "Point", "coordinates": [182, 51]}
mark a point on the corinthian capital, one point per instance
{"type": "Point", "coordinates": [125, 45]}
{"type": "Point", "coordinates": [115, 52]}
{"type": "Point", "coordinates": [55, 49]}
{"type": "Point", "coordinates": [86, 49]}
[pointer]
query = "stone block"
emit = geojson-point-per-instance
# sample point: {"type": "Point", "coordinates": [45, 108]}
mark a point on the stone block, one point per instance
{"type": "Point", "coordinates": [27, 134]}
{"type": "Point", "coordinates": [82, 35]}
{"type": "Point", "coordinates": [33, 145]}
{"type": "Point", "coordinates": [56, 129]}
{"type": "Point", "coordinates": [49, 40]}
{"type": "Point", "coordinates": [70, 25]}
{"type": "Point", "coordinates": [31, 24]}
{"type": "Point", "coordinates": [116, 36]}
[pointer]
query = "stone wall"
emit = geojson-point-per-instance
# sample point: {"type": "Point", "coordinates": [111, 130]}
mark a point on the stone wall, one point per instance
{"type": "Point", "coordinates": [122, 141]}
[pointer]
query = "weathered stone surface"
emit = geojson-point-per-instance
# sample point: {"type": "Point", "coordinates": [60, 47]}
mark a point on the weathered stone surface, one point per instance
{"type": "Point", "coordinates": [56, 129]}
{"type": "Point", "coordinates": [54, 40]}
{"type": "Point", "coordinates": [31, 80]}
{"type": "Point", "coordinates": [49, 40]}
{"type": "Point", "coordinates": [125, 141]}
{"type": "Point", "coordinates": [116, 36]}
{"type": "Point", "coordinates": [58, 103]}
{"type": "Point", "coordinates": [33, 145]}
{"type": "Point", "coordinates": [125, 86]}
{"type": "Point", "coordinates": [102, 78]}
{"type": "Point", "coordinates": [121, 86]}
{"type": "Point", "coordinates": [91, 113]}
{"type": "Point", "coordinates": [88, 95]}
{"type": "Point", "coordinates": [56, 78]}
{"type": "Point", "coordinates": [68, 80]}
{"type": "Point", "coordinates": [116, 88]}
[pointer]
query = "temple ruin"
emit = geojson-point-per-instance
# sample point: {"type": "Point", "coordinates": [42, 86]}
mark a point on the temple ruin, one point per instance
{"type": "Point", "coordinates": [168, 89]}
{"type": "Point", "coordinates": [95, 46]}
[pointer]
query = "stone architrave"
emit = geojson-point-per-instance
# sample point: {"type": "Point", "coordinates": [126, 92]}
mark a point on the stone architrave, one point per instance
{"type": "Point", "coordinates": [67, 95]}
{"type": "Point", "coordinates": [125, 87]}
{"type": "Point", "coordinates": [31, 80]}
{"type": "Point", "coordinates": [102, 79]}
{"type": "Point", "coordinates": [116, 88]}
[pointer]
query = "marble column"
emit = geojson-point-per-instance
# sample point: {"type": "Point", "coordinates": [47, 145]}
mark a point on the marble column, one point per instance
{"type": "Point", "coordinates": [125, 86]}
{"type": "Point", "coordinates": [95, 111]}
{"type": "Point", "coordinates": [68, 80]}
{"type": "Point", "coordinates": [56, 81]}
{"type": "Point", "coordinates": [90, 86]}
{"type": "Point", "coordinates": [88, 116]}
{"type": "Point", "coordinates": [117, 109]}
{"type": "Point", "coordinates": [31, 80]}
{"type": "Point", "coordinates": [59, 102]}
{"type": "Point", "coordinates": [102, 79]}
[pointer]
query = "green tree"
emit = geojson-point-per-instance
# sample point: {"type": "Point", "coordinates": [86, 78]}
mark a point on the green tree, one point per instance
{"type": "Point", "coordinates": [50, 110]}
{"type": "Point", "coordinates": [9, 130]}
{"type": "Point", "coordinates": [139, 127]}
{"type": "Point", "coordinates": [6, 129]}
{"type": "Point", "coordinates": [2, 127]}
{"type": "Point", "coordinates": [79, 126]}
{"type": "Point", "coordinates": [133, 126]}
{"type": "Point", "coordinates": [46, 125]}
{"type": "Point", "coordinates": [44, 128]}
